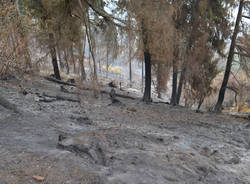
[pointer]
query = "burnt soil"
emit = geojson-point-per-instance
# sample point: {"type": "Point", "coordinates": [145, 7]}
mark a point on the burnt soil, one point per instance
{"type": "Point", "coordinates": [69, 136]}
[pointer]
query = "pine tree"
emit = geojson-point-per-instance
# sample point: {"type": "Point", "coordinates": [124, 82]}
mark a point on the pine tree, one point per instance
{"type": "Point", "coordinates": [229, 59]}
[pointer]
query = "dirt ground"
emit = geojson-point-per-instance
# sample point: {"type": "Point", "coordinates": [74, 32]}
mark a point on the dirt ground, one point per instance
{"type": "Point", "coordinates": [67, 136]}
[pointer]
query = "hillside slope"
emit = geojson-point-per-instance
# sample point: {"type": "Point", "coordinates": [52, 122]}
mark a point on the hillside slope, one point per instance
{"type": "Point", "coordinates": [97, 142]}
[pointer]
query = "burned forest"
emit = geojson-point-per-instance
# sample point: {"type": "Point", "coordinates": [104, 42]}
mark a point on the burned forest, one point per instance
{"type": "Point", "coordinates": [125, 91]}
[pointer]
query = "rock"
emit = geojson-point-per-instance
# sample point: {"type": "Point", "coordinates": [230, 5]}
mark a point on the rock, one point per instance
{"type": "Point", "coordinates": [63, 89]}
{"type": "Point", "coordinates": [112, 94]}
{"type": "Point", "coordinates": [22, 90]}
{"type": "Point", "coordinates": [112, 84]}
{"type": "Point", "coordinates": [86, 144]}
{"type": "Point", "coordinates": [176, 137]}
{"type": "Point", "coordinates": [214, 152]}
{"type": "Point", "coordinates": [248, 124]}
{"type": "Point", "coordinates": [132, 109]}
{"type": "Point", "coordinates": [234, 160]}
{"type": "Point", "coordinates": [84, 120]}
{"type": "Point", "coordinates": [61, 137]}
{"type": "Point", "coordinates": [6, 104]}
{"type": "Point", "coordinates": [36, 99]}
{"type": "Point", "coordinates": [72, 81]}
{"type": "Point", "coordinates": [38, 178]}
{"type": "Point", "coordinates": [160, 139]}
{"type": "Point", "coordinates": [52, 75]}
{"type": "Point", "coordinates": [202, 169]}
{"type": "Point", "coordinates": [81, 120]}
{"type": "Point", "coordinates": [199, 111]}
{"type": "Point", "coordinates": [206, 151]}
{"type": "Point", "coordinates": [247, 146]}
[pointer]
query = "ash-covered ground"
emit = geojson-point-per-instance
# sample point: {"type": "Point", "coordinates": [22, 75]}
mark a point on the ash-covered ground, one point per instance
{"type": "Point", "coordinates": [66, 135]}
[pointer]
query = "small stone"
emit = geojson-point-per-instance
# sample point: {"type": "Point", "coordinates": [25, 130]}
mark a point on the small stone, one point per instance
{"type": "Point", "coordinates": [72, 81]}
{"type": "Point", "coordinates": [160, 139]}
{"type": "Point", "coordinates": [248, 124]}
{"type": "Point", "coordinates": [61, 137]}
{"type": "Point", "coordinates": [37, 99]}
{"type": "Point", "coordinates": [38, 178]}
{"type": "Point", "coordinates": [176, 137]}
{"type": "Point", "coordinates": [132, 109]}
{"type": "Point", "coordinates": [234, 160]}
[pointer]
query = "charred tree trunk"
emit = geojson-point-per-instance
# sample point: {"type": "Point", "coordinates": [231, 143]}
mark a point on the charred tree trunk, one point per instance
{"type": "Point", "coordinates": [81, 50]}
{"type": "Point", "coordinates": [147, 91]}
{"type": "Point", "coordinates": [91, 43]}
{"type": "Point", "coordinates": [66, 60]}
{"type": "Point", "coordinates": [174, 84]}
{"type": "Point", "coordinates": [130, 60]}
{"type": "Point", "coordinates": [180, 85]}
{"type": "Point", "coordinates": [142, 76]}
{"type": "Point", "coordinates": [130, 68]}
{"type": "Point", "coordinates": [72, 59]}
{"type": "Point", "coordinates": [229, 60]}
{"type": "Point", "coordinates": [147, 60]}
{"type": "Point", "coordinates": [199, 105]}
{"type": "Point", "coordinates": [53, 56]}
{"type": "Point", "coordinates": [159, 79]}
{"type": "Point", "coordinates": [107, 61]}
{"type": "Point", "coordinates": [59, 57]}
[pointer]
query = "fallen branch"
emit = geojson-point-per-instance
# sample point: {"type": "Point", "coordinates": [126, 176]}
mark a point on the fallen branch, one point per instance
{"type": "Point", "coordinates": [59, 81]}
{"type": "Point", "coordinates": [58, 97]}
{"type": "Point", "coordinates": [119, 95]}
{"type": "Point", "coordinates": [86, 88]}
{"type": "Point", "coordinates": [159, 102]}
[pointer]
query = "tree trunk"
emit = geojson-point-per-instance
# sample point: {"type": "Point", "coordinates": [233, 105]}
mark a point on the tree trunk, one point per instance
{"type": "Point", "coordinates": [53, 56]}
{"type": "Point", "coordinates": [66, 61]}
{"type": "Point", "coordinates": [130, 68]}
{"type": "Point", "coordinates": [59, 57]}
{"type": "Point", "coordinates": [24, 40]}
{"type": "Point", "coordinates": [81, 50]}
{"type": "Point", "coordinates": [147, 91]}
{"type": "Point", "coordinates": [229, 60]}
{"type": "Point", "coordinates": [107, 61]}
{"type": "Point", "coordinates": [26, 51]}
{"type": "Point", "coordinates": [14, 44]}
{"type": "Point", "coordinates": [72, 59]}
{"type": "Point", "coordinates": [159, 79]}
{"type": "Point", "coordinates": [130, 60]}
{"type": "Point", "coordinates": [91, 43]}
{"type": "Point", "coordinates": [92, 54]}
{"type": "Point", "coordinates": [142, 76]}
{"type": "Point", "coordinates": [147, 59]}
{"type": "Point", "coordinates": [200, 103]}
{"type": "Point", "coordinates": [174, 84]}
{"type": "Point", "coordinates": [181, 82]}
{"type": "Point", "coordinates": [192, 35]}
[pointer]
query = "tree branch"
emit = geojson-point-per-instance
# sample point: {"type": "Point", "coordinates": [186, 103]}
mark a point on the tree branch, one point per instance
{"type": "Point", "coordinates": [105, 15]}
{"type": "Point", "coordinates": [242, 54]}
{"type": "Point", "coordinates": [245, 16]}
